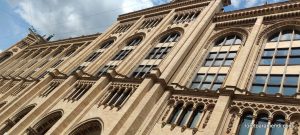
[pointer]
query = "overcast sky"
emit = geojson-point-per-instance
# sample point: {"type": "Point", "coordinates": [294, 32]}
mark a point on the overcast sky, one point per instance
{"type": "Point", "coordinates": [70, 18]}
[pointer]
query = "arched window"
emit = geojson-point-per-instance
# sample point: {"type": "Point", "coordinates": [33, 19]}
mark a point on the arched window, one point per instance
{"type": "Point", "coordinates": [45, 124]}
{"type": "Point", "coordinates": [185, 115]}
{"type": "Point", "coordinates": [89, 128]}
{"type": "Point", "coordinates": [14, 120]}
{"type": "Point", "coordinates": [175, 113]}
{"type": "Point", "coordinates": [285, 35]}
{"type": "Point", "coordinates": [5, 57]}
{"type": "Point", "coordinates": [196, 116]}
{"type": "Point", "coordinates": [261, 123]}
{"type": "Point", "coordinates": [245, 123]}
{"type": "Point", "coordinates": [277, 127]}
{"type": "Point", "coordinates": [229, 40]}
{"type": "Point", "coordinates": [107, 44]}
{"type": "Point", "coordinates": [135, 41]}
{"type": "Point", "coordinates": [171, 37]}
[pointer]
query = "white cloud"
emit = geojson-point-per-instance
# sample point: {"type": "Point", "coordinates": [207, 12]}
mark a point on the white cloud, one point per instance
{"type": "Point", "coordinates": [75, 17]}
{"type": "Point", "coordinates": [235, 3]}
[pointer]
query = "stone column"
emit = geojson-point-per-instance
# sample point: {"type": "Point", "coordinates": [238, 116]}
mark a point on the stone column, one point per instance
{"type": "Point", "coordinates": [174, 59]}
{"type": "Point", "coordinates": [217, 116]}
{"type": "Point", "coordinates": [240, 64]}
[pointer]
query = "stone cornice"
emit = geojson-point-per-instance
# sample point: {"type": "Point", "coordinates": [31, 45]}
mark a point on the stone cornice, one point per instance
{"type": "Point", "coordinates": [67, 41]}
{"type": "Point", "coordinates": [164, 7]}
{"type": "Point", "coordinates": [258, 11]}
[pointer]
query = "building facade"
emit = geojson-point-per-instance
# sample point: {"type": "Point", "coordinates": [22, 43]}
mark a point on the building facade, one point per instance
{"type": "Point", "coordinates": [182, 68]}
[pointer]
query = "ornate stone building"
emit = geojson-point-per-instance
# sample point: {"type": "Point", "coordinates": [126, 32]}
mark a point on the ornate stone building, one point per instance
{"type": "Point", "coordinates": [181, 68]}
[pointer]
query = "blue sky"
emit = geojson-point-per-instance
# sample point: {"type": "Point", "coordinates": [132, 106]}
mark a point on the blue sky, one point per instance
{"type": "Point", "coordinates": [70, 18]}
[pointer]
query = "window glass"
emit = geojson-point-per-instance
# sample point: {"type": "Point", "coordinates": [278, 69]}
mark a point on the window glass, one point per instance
{"type": "Point", "coordinates": [209, 78]}
{"type": "Point", "coordinates": [286, 35]}
{"type": "Point", "coordinates": [274, 38]}
{"type": "Point", "coordinates": [216, 86]}
{"type": "Point", "coordinates": [221, 55]}
{"type": "Point", "coordinates": [218, 62]}
{"type": "Point", "coordinates": [229, 40]}
{"type": "Point", "coordinates": [231, 55]}
{"type": "Point", "coordinates": [275, 80]}
{"type": "Point", "coordinates": [228, 62]}
{"type": "Point", "coordinates": [295, 52]}
{"type": "Point", "coordinates": [208, 63]}
{"type": "Point", "coordinates": [262, 121]}
{"type": "Point", "coordinates": [244, 127]}
{"type": "Point", "coordinates": [196, 117]}
{"type": "Point", "coordinates": [257, 88]}
{"type": "Point", "coordinates": [280, 61]}
{"type": "Point", "coordinates": [289, 91]}
{"type": "Point", "coordinates": [297, 35]}
{"type": "Point", "coordinates": [220, 42]}
{"type": "Point", "coordinates": [278, 125]}
{"type": "Point", "coordinates": [282, 52]}
{"type": "Point", "coordinates": [205, 86]}
{"type": "Point", "coordinates": [294, 61]}
{"type": "Point", "coordinates": [272, 89]}
{"type": "Point", "coordinates": [260, 79]}
{"type": "Point", "coordinates": [238, 41]}
{"type": "Point", "coordinates": [199, 78]}
{"type": "Point", "coordinates": [265, 61]}
{"type": "Point", "coordinates": [268, 53]}
{"type": "Point", "coordinates": [220, 78]}
{"type": "Point", "coordinates": [212, 55]}
{"type": "Point", "coordinates": [291, 80]}
{"type": "Point", "coordinates": [195, 85]}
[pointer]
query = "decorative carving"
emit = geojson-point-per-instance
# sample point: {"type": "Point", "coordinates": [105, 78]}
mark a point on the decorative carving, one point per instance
{"type": "Point", "coordinates": [295, 128]}
{"type": "Point", "coordinates": [207, 119]}
{"type": "Point", "coordinates": [230, 125]}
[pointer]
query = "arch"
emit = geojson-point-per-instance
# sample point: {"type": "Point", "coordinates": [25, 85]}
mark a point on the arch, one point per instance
{"type": "Point", "coordinates": [5, 56]}
{"type": "Point", "coordinates": [175, 113]}
{"type": "Point", "coordinates": [277, 127]}
{"type": "Point", "coordinates": [183, 118]}
{"type": "Point", "coordinates": [16, 118]}
{"type": "Point", "coordinates": [166, 33]}
{"type": "Point", "coordinates": [274, 114]}
{"type": "Point", "coordinates": [107, 43]}
{"type": "Point", "coordinates": [2, 104]}
{"type": "Point", "coordinates": [271, 30]}
{"type": "Point", "coordinates": [90, 127]}
{"type": "Point", "coordinates": [261, 121]}
{"type": "Point", "coordinates": [263, 111]}
{"type": "Point", "coordinates": [43, 125]}
{"type": "Point", "coordinates": [196, 116]}
{"type": "Point", "coordinates": [242, 33]}
{"type": "Point", "coordinates": [245, 120]}
{"type": "Point", "coordinates": [140, 36]}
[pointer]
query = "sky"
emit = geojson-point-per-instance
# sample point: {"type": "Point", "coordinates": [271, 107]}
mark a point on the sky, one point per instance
{"type": "Point", "coordinates": [71, 18]}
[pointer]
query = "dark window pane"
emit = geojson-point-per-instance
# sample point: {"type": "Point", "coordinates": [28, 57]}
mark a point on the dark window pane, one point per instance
{"type": "Point", "coordinates": [297, 35]}
{"type": "Point", "coordinates": [212, 55]}
{"type": "Point", "coordinates": [246, 120]}
{"type": "Point", "coordinates": [228, 62]}
{"type": "Point", "coordinates": [274, 38]}
{"type": "Point", "coordinates": [261, 121]}
{"type": "Point", "coordinates": [230, 40]}
{"type": "Point", "coordinates": [238, 41]}
{"type": "Point", "coordinates": [205, 86]}
{"type": "Point", "coordinates": [272, 89]}
{"type": "Point", "coordinates": [195, 85]}
{"type": "Point", "coordinates": [208, 63]}
{"type": "Point", "coordinates": [282, 52]}
{"type": "Point", "coordinates": [265, 61]}
{"type": "Point", "coordinates": [294, 61]}
{"type": "Point", "coordinates": [260, 79]}
{"type": "Point", "coordinates": [220, 78]}
{"type": "Point", "coordinates": [257, 88]}
{"type": "Point", "coordinates": [295, 52]}
{"type": "Point", "coordinates": [220, 42]}
{"type": "Point", "coordinates": [198, 78]}
{"type": "Point", "coordinates": [289, 91]}
{"type": "Point", "coordinates": [218, 62]}
{"type": "Point", "coordinates": [216, 86]}
{"type": "Point", "coordinates": [275, 80]}
{"type": "Point", "coordinates": [221, 55]}
{"type": "Point", "coordinates": [286, 35]}
{"type": "Point", "coordinates": [291, 80]}
{"type": "Point", "coordinates": [268, 53]}
{"type": "Point", "coordinates": [209, 78]}
{"type": "Point", "coordinates": [231, 55]}
{"type": "Point", "coordinates": [280, 61]}
{"type": "Point", "coordinates": [278, 125]}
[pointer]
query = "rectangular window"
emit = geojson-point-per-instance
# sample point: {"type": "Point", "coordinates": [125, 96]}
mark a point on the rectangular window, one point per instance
{"type": "Point", "coordinates": [94, 56]}
{"type": "Point", "coordinates": [142, 70]}
{"type": "Point", "coordinates": [219, 59]}
{"type": "Point", "coordinates": [210, 81]}
{"type": "Point", "coordinates": [122, 55]}
{"type": "Point", "coordinates": [159, 53]}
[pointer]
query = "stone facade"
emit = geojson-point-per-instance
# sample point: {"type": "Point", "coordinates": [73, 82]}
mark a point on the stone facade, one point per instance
{"type": "Point", "coordinates": [181, 68]}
